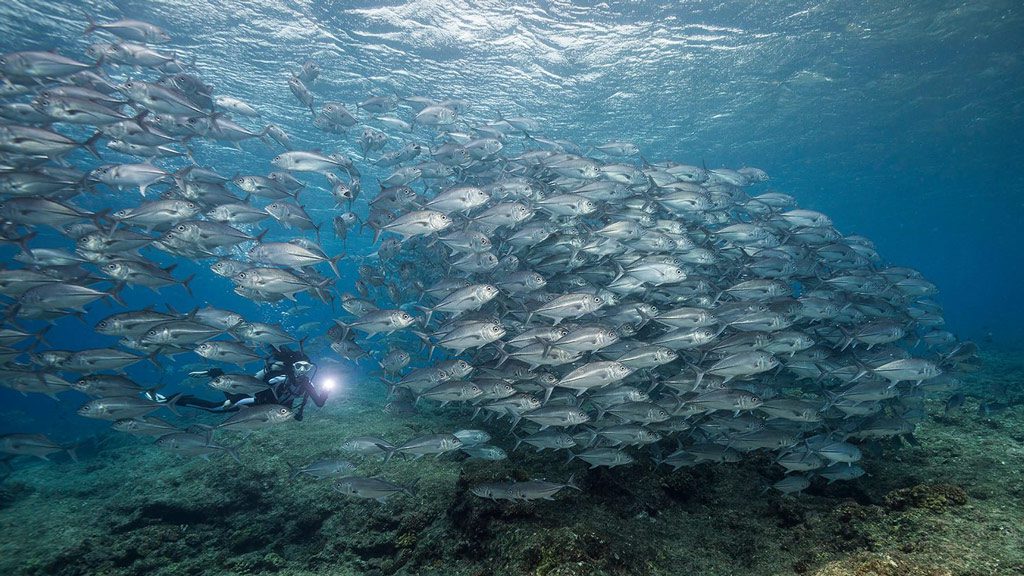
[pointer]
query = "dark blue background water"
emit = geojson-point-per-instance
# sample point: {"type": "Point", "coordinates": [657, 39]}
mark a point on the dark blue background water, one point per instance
{"type": "Point", "coordinates": [902, 121]}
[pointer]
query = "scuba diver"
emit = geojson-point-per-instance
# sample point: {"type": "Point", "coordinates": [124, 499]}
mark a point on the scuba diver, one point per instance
{"type": "Point", "coordinates": [288, 375]}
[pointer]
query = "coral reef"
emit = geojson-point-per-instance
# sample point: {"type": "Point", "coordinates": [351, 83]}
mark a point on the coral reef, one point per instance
{"type": "Point", "coordinates": [933, 497]}
{"type": "Point", "coordinates": [949, 505]}
{"type": "Point", "coordinates": [879, 565]}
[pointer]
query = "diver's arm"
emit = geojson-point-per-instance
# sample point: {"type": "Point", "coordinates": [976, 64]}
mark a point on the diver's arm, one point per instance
{"type": "Point", "coordinates": [319, 396]}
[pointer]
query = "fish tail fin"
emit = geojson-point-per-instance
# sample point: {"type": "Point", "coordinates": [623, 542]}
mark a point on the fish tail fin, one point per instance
{"type": "Point", "coordinates": [152, 357]}
{"type": "Point", "coordinates": [206, 428]}
{"type": "Point", "coordinates": [847, 341]}
{"type": "Point", "coordinates": [863, 370]}
{"type": "Point", "coordinates": [70, 451]}
{"type": "Point", "coordinates": [548, 344]}
{"type": "Point", "coordinates": [115, 293]}
{"type": "Point", "coordinates": [24, 240]}
{"type": "Point", "coordinates": [700, 374]}
{"type": "Point", "coordinates": [832, 398]}
{"type": "Point", "coordinates": [263, 135]}
{"type": "Point", "coordinates": [547, 394]}
{"type": "Point", "coordinates": [186, 285]}
{"type": "Point", "coordinates": [425, 339]}
{"type": "Point", "coordinates": [502, 355]}
{"type": "Point", "coordinates": [571, 483]}
{"type": "Point", "coordinates": [392, 386]}
{"type": "Point", "coordinates": [428, 311]}
{"type": "Point", "coordinates": [516, 417]}
{"type": "Point", "coordinates": [40, 337]}
{"type": "Point", "coordinates": [333, 262]}
{"type": "Point", "coordinates": [411, 489]}
{"type": "Point", "coordinates": [90, 144]}
{"type": "Point", "coordinates": [645, 318]}
{"type": "Point", "coordinates": [179, 176]}
{"type": "Point", "coordinates": [90, 27]}
{"type": "Point", "coordinates": [98, 216]}
{"type": "Point", "coordinates": [171, 405]}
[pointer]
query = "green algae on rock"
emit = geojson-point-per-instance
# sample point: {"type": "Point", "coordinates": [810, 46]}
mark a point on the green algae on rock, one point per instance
{"type": "Point", "coordinates": [130, 510]}
{"type": "Point", "coordinates": [934, 497]}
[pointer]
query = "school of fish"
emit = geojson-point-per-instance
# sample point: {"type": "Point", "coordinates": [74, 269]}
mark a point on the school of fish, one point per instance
{"type": "Point", "coordinates": [575, 297]}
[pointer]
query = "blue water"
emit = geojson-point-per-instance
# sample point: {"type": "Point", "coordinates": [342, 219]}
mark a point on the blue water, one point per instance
{"type": "Point", "coordinates": [902, 121]}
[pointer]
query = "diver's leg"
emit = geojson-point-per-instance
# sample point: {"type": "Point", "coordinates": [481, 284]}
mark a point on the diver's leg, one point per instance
{"type": "Point", "coordinates": [191, 401]}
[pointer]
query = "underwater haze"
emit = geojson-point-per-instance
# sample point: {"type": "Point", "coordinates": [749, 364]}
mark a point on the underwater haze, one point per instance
{"type": "Point", "coordinates": [555, 288]}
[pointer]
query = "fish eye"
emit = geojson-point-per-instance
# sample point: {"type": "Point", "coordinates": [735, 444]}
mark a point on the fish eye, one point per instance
{"type": "Point", "coordinates": [181, 228]}
{"type": "Point", "coordinates": [283, 410]}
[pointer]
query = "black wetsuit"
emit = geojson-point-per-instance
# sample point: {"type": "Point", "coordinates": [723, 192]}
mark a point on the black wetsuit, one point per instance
{"type": "Point", "coordinates": [293, 389]}
{"type": "Point", "coordinates": [287, 392]}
